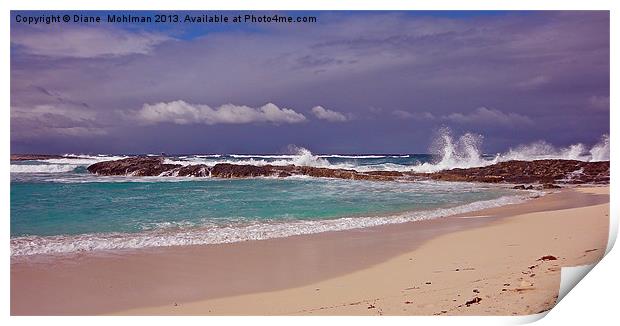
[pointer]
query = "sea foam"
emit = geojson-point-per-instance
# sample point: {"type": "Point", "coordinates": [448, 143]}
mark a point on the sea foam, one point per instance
{"type": "Point", "coordinates": [449, 152]}
{"type": "Point", "coordinates": [42, 168]}
{"type": "Point", "coordinates": [174, 234]}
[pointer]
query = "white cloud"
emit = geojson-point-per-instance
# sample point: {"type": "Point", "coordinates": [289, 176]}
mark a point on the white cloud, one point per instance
{"type": "Point", "coordinates": [181, 112]}
{"type": "Point", "coordinates": [480, 115]}
{"type": "Point", "coordinates": [413, 115]}
{"type": "Point", "coordinates": [86, 42]}
{"type": "Point", "coordinates": [599, 102]}
{"type": "Point", "coordinates": [403, 114]}
{"type": "Point", "coordinates": [483, 115]}
{"type": "Point", "coordinates": [375, 110]}
{"type": "Point", "coordinates": [534, 82]}
{"type": "Point", "coordinates": [329, 115]}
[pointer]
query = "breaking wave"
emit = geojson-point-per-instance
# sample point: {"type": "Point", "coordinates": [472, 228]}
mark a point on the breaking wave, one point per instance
{"type": "Point", "coordinates": [68, 163]}
{"type": "Point", "coordinates": [448, 152]}
{"type": "Point", "coordinates": [600, 151]}
{"type": "Point", "coordinates": [543, 150]}
{"type": "Point", "coordinates": [168, 235]}
{"type": "Point", "coordinates": [42, 168]}
{"type": "Point", "coordinates": [300, 156]}
{"type": "Point", "coordinates": [462, 153]}
{"type": "Point", "coordinates": [466, 152]}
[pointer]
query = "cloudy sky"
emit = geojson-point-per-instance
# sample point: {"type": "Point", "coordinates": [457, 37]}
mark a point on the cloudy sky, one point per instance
{"type": "Point", "coordinates": [365, 82]}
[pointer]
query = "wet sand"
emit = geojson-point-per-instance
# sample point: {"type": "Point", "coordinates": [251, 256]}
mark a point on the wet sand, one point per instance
{"type": "Point", "coordinates": [379, 270]}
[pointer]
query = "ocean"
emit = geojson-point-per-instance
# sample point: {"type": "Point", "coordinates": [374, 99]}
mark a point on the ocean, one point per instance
{"type": "Point", "coordinates": [58, 207]}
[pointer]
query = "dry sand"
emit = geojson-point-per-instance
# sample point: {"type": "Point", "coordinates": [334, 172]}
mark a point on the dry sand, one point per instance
{"type": "Point", "coordinates": [419, 268]}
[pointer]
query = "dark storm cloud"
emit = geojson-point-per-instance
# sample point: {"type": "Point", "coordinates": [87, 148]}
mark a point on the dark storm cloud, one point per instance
{"type": "Point", "coordinates": [393, 77]}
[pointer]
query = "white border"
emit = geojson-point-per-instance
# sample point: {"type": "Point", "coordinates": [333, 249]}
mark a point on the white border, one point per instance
{"type": "Point", "coordinates": [594, 299]}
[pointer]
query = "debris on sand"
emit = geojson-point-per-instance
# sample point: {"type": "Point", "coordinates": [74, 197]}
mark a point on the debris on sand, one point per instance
{"type": "Point", "coordinates": [472, 301]}
{"type": "Point", "coordinates": [548, 257]}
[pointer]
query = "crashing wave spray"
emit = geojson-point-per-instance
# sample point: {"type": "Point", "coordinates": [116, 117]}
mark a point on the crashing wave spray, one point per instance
{"type": "Point", "coordinates": [600, 151]}
{"type": "Point", "coordinates": [463, 153]}
{"type": "Point", "coordinates": [542, 150]}
{"type": "Point", "coordinates": [303, 157]}
{"type": "Point", "coordinates": [466, 152]}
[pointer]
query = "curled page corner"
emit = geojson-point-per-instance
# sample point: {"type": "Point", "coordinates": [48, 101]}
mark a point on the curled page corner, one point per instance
{"type": "Point", "coordinates": [613, 230]}
{"type": "Point", "coordinates": [522, 320]}
{"type": "Point", "coordinates": [570, 276]}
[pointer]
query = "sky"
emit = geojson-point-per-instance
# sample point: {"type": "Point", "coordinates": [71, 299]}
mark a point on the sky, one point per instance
{"type": "Point", "coordinates": [353, 82]}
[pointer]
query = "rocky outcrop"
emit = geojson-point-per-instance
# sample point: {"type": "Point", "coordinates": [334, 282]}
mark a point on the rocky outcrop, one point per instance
{"type": "Point", "coordinates": [136, 166]}
{"type": "Point", "coordinates": [543, 172]}
{"type": "Point", "coordinates": [199, 170]}
{"type": "Point", "coordinates": [225, 170]}
{"type": "Point", "coordinates": [155, 166]}
{"type": "Point", "coordinates": [540, 171]}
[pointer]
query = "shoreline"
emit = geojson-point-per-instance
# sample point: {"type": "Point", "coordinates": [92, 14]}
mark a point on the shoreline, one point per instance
{"type": "Point", "coordinates": [282, 229]}
{"type": "Point", "coordinates": [116, 282]}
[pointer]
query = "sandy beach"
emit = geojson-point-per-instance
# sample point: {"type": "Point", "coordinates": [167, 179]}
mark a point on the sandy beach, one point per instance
{"type": "Point", "coordinates": [500, 261]}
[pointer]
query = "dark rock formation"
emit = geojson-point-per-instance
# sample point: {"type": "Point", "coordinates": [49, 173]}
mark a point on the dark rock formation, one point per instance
{"type": "Point", "coordinates": [543, 172]}
{"type": "Point", "coordinates": [226, 170]}
{"type": "Point", "coordinates": [155, 166]}
{"type": "Point", "coordinates": [137, 166]}
{"type": "Point", "coordinates": [539, 187]}
{"type": "Point", "coordinates": [199, 170]}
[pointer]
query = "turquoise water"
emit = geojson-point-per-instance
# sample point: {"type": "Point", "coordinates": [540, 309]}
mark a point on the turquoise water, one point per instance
{"type": "Point", "coordinates": [75, 208]}
{"type": "Point", "coordinates": [65, 209]}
